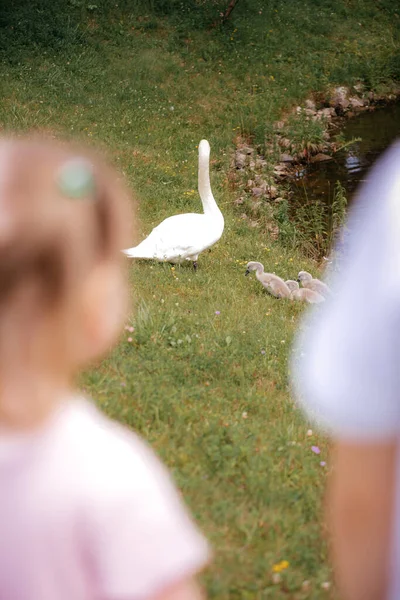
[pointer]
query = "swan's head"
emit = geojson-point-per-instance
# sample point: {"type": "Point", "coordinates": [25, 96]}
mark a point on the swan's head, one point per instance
{"type": "Point", "coordinates": [254, 266]}
{"type": "Point", "coordinates": [292, 285]}
{"type": "Point", "coordinates": [204, 148]}
{"type": "Point", "coordinates": [304, 276]}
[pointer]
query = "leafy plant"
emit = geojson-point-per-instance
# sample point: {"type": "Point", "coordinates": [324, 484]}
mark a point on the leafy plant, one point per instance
{"type": "Point", "coordinates": [304, 135]}
{"type": "Point", "coordinates": [337, 213]}
{"type": "Point", "coordinates": [288, 233]}
{"type": "Point", "coordinates": [312, 227]}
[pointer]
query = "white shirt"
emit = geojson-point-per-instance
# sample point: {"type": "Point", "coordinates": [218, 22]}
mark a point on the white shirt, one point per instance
{"type": "Point", "coordinates": [346, 363]}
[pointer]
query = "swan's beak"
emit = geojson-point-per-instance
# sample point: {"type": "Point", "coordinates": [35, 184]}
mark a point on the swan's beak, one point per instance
{"type": "Point", "coordinates": [247, 272]}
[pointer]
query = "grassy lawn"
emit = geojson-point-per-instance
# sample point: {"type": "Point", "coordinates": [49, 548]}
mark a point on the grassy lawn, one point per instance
{"type": "Point", "coordinates": [205, 376]}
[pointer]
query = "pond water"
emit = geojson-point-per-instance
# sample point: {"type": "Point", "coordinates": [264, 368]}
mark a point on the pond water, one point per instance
{"type": "Point", "coordinates": [377, 130]}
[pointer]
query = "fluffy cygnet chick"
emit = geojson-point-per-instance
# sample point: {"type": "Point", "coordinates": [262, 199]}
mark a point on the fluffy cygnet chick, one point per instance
{"type": "Point", "coordinates": [303, 294]}
{"type": "Point", "coordinates": [307, 281]}
{"type": "Point", "coordinates": [272, 283]}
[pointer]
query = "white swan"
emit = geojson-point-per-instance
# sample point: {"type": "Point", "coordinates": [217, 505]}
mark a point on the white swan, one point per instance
{"type": "Point", "coordinates": [274, 284]}
{"type": "Point", "coordinates": [303, 294]}
{"type": "Point", "coordinates": [183, 237]}
{"type": "Point", "coordinates": [316, 285]}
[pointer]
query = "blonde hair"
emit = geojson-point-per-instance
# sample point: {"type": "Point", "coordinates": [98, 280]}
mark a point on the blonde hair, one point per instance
{"type": "Point", "coordinates": [47, 235]}
{"type": "Point", "coordinates": [54, 231]}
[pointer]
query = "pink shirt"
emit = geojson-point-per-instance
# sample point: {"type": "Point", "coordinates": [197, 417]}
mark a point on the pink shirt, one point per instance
{"type": "Point", "coordinates": [87, 512]}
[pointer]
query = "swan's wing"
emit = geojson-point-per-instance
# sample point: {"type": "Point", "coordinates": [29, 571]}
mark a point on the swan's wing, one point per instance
{"type": "Point", "coordinates": [315, 297]}
{"type": "Point", "coordinates": [283, 290]}
{"type": "Point", "coordinates": [320, 287]}
{"type": "Point", "coordinates": [312, 285]}
{"type": "Point", "coordinates": [177, 236]}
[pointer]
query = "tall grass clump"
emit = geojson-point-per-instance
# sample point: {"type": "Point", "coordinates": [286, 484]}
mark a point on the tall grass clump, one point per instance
{"type": "Point", "coordinates": [312, 227]}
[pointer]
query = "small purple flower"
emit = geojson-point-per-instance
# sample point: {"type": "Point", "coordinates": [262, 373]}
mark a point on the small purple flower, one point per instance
{"type": "Point", "coordinates": [316, 449]}
{"type": "Point", "coordinates": [263, 352]}
{"type": "Point", "coordinates": [217, 312]}
{"type": "Point", "coordinates": [322, 463]}
{"type": "Point", "coordinates": [123, 384]}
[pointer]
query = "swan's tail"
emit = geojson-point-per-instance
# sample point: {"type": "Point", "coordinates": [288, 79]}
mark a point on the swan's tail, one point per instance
{"type": "Point", "coordinates": [140, 251]}
{"type": "Point", "coordinates": [132, 253]}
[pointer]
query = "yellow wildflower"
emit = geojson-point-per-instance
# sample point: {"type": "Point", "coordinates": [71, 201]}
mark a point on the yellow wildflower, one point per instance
{"type": "Point", "coordinates": [280, 566]}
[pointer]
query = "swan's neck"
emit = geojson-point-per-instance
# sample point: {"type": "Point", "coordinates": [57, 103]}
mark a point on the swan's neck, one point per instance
{"type": "Point", "coordinates": [209, 204]}
{"type": "Point", "coordinates": [259, 271]}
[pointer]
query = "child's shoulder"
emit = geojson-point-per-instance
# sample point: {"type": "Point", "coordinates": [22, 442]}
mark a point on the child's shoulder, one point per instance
{"type": "Point", "coordinates": [106, 454]}
{"type": "Point", "coordinates": [137, 531]}
{"type": "Point", "coordinates": [99, 485]}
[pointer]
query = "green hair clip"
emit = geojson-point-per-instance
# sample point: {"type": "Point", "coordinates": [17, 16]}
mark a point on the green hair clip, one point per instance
{"type": "Point", "coordinates": [75, 179]}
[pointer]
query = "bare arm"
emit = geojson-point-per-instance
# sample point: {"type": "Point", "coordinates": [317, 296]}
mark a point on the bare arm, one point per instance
{"type": "Point", "coordinates": [186, 590]}
{"type": "Point", "coordinates": [360, 507]}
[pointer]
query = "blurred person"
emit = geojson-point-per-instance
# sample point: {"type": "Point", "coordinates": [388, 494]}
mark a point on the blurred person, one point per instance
{"type": "Point", "coordinates": [87, 512]}
{"type": "Point", "coordinates": [346, 367]}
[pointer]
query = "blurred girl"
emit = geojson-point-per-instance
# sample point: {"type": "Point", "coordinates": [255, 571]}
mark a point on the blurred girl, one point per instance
{"type": "Point", "coordinates": [87, 512]}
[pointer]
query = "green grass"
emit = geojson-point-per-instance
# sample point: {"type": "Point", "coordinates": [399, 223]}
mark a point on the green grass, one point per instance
{"type": "Point", "coordinates": [209, 391]}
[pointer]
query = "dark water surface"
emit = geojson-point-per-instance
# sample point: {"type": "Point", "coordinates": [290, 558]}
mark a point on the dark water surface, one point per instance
{"type": "Point", "coordinates": [377, 130]}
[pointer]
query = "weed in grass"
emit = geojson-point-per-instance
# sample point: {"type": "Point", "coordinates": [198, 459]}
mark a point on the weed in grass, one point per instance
{"type": "Point", "coordinates": [337, 215]}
